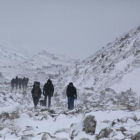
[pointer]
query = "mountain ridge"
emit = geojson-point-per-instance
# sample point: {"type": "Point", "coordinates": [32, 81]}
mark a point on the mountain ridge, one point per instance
{"type": "Point", "coordinates": [107, 66]}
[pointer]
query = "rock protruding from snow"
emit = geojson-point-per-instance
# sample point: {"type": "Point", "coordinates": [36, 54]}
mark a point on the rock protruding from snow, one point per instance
{"type": "Point", "coordinates": [89, 124]}
{"type": "Point", "coordinates": [136, 136]}
{"type": "Point", "coordinates": [4, 116]}
{"type": "Point", "coordinates": [104, 133]}
{"type": "Point", "coordinates": [108, 92]}
{"type": "Point", "coordinates": [44, 137]}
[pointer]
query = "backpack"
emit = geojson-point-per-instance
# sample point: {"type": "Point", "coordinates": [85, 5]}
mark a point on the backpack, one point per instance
{"type": "Point", "coordinates": [71, 91]}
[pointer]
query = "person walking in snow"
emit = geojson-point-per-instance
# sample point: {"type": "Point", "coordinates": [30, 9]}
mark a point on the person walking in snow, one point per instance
{"type": "Point", "coordinates": [36, 93]}
{"type": "Point", "coordinates": [71, 94]}
{"type": "Point", "coordinates": [26, 82]}
{"type": "Point", "coordinates": [16, 82]}
{"type": "Point", "coordinates": [48, 91]}
{"type": "Point", "coordinates": [23, 82]}
{"type": "Point", "coordinates": [20, 82]}
{"type": "Point", "coordinates": [12, 83]}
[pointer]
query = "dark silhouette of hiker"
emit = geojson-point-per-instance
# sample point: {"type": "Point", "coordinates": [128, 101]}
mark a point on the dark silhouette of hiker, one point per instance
{"type": "Point", "coordinates": [12, 83]}
{"type": "Point", "coordinates": [48, 91]}
{"type": "Point", "coordinates": [16, 82]}
{"type": "Point", "coordinates": [36, 93]}
{"type": "Point", "coordinates": [71, 94]}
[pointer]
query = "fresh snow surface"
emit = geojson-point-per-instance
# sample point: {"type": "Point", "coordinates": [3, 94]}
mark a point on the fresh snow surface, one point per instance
{"type": "Point", "coordinates": [130, 80]}
{"type": "Point", "coordinates": [31, 124]}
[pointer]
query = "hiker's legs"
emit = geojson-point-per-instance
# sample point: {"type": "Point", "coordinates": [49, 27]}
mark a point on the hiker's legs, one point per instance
{"type": "Point", "coordinates": [68, 102]}
{"type": "Point", "coordinates": [45, 100]}
{"type": "Point", "coordinates": [36, 101]}
{"type": "Point", "coordinates": [71, 102]}
{"type": "Point", "coordinates": [16, 86]}
{"type": "Point", "coordinates": [49, 101]}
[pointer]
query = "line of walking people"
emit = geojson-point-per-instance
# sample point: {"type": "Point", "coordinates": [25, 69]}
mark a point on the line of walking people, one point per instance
{"type": "Point", "coordinates": [19, 83]}
{"type": "Point", "coordinates": [48, 92]}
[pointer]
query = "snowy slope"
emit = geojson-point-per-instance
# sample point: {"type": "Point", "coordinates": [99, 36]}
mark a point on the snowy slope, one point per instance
{"type": "Point", "coordinates": [109, 66]}
{"type": "Point", "coordinates": [11, 55]}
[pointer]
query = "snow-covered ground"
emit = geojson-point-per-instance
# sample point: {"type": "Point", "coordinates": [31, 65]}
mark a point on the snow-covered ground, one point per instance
{"type": "Point", "coordinates": [130, 80]}
{"type": "Point", "coordinates": [20, 121]}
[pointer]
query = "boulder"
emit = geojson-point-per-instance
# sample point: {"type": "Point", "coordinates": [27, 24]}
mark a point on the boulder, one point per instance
{"type": "Point", "coordinates": [14, 115]}
{"type": "Point", "coordinates": [110, 90]}
{"type": "Point", "coordinates": [122, 129]}
{"type": "Point", "coordinates": [136, 136]}
{"type": "Point", "coordinates": [104, 133]}
{"type": "Point", "coordinates": [4, 115]}
{"type": "Point", "coordinates": [89, 124]}
{"type": "Point", "coordinates": [44, 137]}
{"type": "Point", "coordinates": [26, 137]}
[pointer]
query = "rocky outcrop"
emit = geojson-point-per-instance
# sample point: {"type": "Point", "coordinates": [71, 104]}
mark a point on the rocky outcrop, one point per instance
{"type": "Point", "coordinates": [136, 136]}
{"type": "Point", "coordinates": [104, 133]}
{"type": "Point", "coordinates": [44, 137]}
{"type": "Point", "coordinates": [89, 124]}
{"type": "Point", "coordinates": [4, 116]}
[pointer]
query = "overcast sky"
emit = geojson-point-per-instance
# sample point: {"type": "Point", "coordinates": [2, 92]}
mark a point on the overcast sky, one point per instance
{"type": "Point", "coordinates": [76, 28]}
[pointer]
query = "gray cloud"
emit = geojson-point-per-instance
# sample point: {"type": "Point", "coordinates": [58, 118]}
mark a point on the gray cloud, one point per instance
{"type": "Point", "coordinates": [76, 28]}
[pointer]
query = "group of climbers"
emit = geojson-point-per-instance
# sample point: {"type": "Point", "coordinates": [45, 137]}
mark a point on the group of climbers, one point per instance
{"type": "Point", "coordinates": [19, 83]}
{"type": "Point", "coordinates": [48, 91]}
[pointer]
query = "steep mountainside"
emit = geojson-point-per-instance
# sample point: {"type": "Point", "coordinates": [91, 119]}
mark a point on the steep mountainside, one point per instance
{"type": "Point", "coordinates": [11, 55]}
{"type": "Point", "coordinates": [109, 66]}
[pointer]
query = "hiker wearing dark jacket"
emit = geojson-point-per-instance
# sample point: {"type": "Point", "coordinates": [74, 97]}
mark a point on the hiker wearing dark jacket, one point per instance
{"type": "Point", "coordinates": [71, 94]}
{"type": "Point", "coordinates": [12, 83]}
{"type": "Point", "coordinates": [16, 82]}
{"type": "Point", "coordinates": [36, 93]}
{"type": "Point", "coordinates": [26, 82]}
{"type": "Point", "coordinates": [48, 91]}
{"type": "Point", "coordinates": [20, 82]}
{"type": "Point", "coordinates": [23, 82]}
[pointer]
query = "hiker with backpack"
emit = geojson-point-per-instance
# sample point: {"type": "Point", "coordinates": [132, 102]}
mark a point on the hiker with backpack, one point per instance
{"type": "Point", "coordinates": [36, 93]}
{"type": "Point", "coordinates": [71, 94]}
{"type": "Point", "coordinates": [48, 91]}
